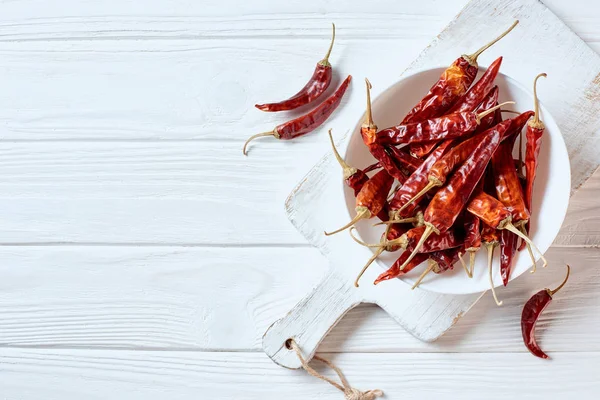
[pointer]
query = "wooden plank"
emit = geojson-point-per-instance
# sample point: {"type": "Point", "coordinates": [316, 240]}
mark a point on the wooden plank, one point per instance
{"type": "Point", "coordinates": [175, 193]}
{"type": "Point", "coordinates": [182, 298]}
{"type": "Point", "coordinates": [141, 375]}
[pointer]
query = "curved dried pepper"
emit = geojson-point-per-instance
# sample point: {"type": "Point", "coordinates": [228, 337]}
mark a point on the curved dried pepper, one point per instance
{"type": "Point", "coordinates": [531, 313]}
{"type": "Point", "coordinates": [453, 83]}
{"type": "Point", "coordinates": [314, 88]}
{"type": "Point", "coordinates": [394, 271]}
{"type": "Point", "coordinates": [371, 199]}
{"type": "Point", "coordinates": [308, 122]}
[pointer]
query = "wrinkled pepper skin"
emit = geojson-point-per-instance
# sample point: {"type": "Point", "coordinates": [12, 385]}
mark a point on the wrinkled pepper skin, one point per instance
{"type": "Point", "coordinates": [531, 313]}
{"type": "Point", "coordinates": [453, 83]}
{"type": "Point", "coordinates": [373, 194]}
{"type": "Point", "coordinates": [450, 200]}
{"type": "Point", "coordinates": [436, 242]}
{"type": "Point", "coordinates": [488, 209]}
{"type": "Point", "coordinates": [472, 226]}
{"type": "Point", "coordinates": [394, 271]}
{"type": "Point", "coordinates": [445, 127]}
{"type": "Point", "coordinates": [508, 248]}
{"type": "Point", "coordinates": [315, 118]}
{"type": "Point", "coordinates": [417, 181]}
{"type": "Point", "coordinates": [508, 186]}
{"type": "Point", "coordinates": [314, 88]}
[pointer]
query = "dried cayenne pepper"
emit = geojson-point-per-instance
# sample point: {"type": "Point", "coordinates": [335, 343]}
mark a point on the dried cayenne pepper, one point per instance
{"type": "Point", "coordinates": [308, 122]}
{"type": "Point", "coordinates": [453, 84]}
{"type": "Point", "coordinates": [531, 313]}
{"type": "Point", "coordinates": [314, 88]}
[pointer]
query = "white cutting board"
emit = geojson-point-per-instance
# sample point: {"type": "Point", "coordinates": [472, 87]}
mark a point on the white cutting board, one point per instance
{"type": "Point", "coordinates": [540, 43]}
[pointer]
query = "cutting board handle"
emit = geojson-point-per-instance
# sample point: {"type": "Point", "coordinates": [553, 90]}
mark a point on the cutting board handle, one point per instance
{"type": "Point", "coordinates": [310, 320]}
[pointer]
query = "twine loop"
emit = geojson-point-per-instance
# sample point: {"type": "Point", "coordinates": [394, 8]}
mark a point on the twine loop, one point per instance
{"type": "Point", "coordinates": [350, 393]}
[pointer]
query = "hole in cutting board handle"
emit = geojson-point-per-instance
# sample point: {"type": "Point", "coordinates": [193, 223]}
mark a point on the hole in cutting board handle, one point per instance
{"type": "Point", "coordinates": [288, 344]}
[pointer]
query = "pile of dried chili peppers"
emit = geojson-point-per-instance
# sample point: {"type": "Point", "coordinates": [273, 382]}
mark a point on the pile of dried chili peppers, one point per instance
{"type": "Point", "coordinates": [309, 94]}
{"type": "Point", "coordinates": [459, 186]}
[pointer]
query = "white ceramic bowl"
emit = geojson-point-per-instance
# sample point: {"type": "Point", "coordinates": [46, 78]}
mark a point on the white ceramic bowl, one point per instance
{"type": "Point", "coordinates": [551, 190]}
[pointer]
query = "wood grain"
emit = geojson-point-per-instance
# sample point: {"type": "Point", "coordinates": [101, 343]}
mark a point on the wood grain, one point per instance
{"type": "Point", "coordinates": [176, 193]}
{"type": "Point", "coordinates": [181, 298]}
{"type": "Point", "coordinates": [188, 375]}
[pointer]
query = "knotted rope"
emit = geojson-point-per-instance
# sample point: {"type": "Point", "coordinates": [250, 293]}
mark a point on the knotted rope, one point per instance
{"type": "Point", "coordinates": [350, 393]}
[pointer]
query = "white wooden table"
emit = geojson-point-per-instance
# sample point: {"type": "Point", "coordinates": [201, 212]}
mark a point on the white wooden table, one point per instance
{"type": "Point", "coordinates": [142, 256]}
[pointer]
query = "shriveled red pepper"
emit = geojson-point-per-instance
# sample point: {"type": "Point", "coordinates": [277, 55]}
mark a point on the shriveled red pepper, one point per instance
{"type": "Point", "coordinates": [447, 204]}
{"type": "Point", "coordinates": [452, 159]}
{"type": "Point", "coordinates": [442, 241]}
{"type": "Point", "coordinates": [453, 83]}
{"type": "Point", "coordinates": [371, 199]}
{"type": "Point", "coordinates": [531, 313]}
{"type": "Point", "coordinates": [394, 271]}
{"type": "Point", "coordinates": [535, 131]}
{"type": "Point", "coordinates": [308, 122]}
{"type": "Point", "coordinates": [508, 248]}
{"type": "Point", "coordinates": [405, 160]}
{"type": "Point", "coordinates": [479, 94]}
{"type": "Point", "coordinates": [472, 226]}
{"type": "Point", "coordinates": [446, 127]}
{"type": "Point", "coordinates": [314, 88]}
{"type": "Point", "coordinates": [368, 130]}
{"type": "Point", "coordinates": [416, 182]}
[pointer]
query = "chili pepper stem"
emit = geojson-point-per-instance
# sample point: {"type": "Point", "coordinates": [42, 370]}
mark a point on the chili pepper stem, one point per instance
{"type": "Point", "coordinates": [464, 265]}
{"type": "Point", "coordinates": [430, 268]}
{"type": "Point", "coordinates": [517, 232]}
{"type": "Point", "coordinates": [536, 122]}
{"type": "Point", "coordinates": [429, 229]}
{"type": "Point", "coordinates": [399, 221]}
{"type": "Point", "coordinates": [251, 138]}
{"type": "Point", "coordinates": [365, 244]}
{"type": "Point", "coordinates": [369, 113]}
{"type": "Point", "coordinates": [553, 292]}
{"type": "Point", "coordinates": [522, 229]}
{"type": "Point", "coordinates": [361, 212]}
{"type": "Point", "coordinates": [472, 261]}
{"type": "Point", "coordinates": [348, 170]}
{"type": "Point", "coordinates": [325, 60]}
{"type": "Point", "coordinates": [472, 58]}
{"type": "Point", "coordinates": [490, 248]}
{"type": "Point", "coordinates": [401, 241]}
{"type": "Point", "coordinates": [369, 262]}
{"type": "Point", "coordinates": [485, 113]}
{"type": "Point", "coordinates": [433, 182]}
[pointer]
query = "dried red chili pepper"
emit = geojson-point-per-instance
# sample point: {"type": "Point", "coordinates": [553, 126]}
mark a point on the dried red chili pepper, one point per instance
{"type": "Point", "coordinates": [308, 122]}
{"type": "Point", "coordinates": [508, 248]}
{"type": "Point", "coordinates": [368, 130]}
{"type": "Point", "coordinates": [535, 131]}
{"type": "Point", "coordinates": [371, 199]}
{"type": "Point", "coordinates": [407, 162]}
{"type": "Point", "coordinates": [531, 313]}
{"type": "Point", "coordinates": [446, 127]}
{"type": "Point", "coordinates": [449, 201]}
{"type": "Point", "coordinates": [453, 83]}
{"type": "Point", "coordinates": [481, 97]}
{"type": "Point", "coordinates": [472, 226]}
{"type": "Point", "coordinates": [452, 159]}
{"type": "Point", "coordinates": [394, 271]}
{"type": "Point", "coordinates": [314, 88]}
{"type": "Point", "coordinates": [415, 182]}
{"type": "Point", "coordinates": [372, 167]}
